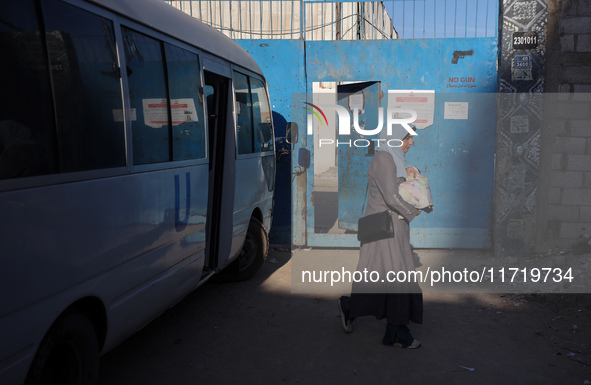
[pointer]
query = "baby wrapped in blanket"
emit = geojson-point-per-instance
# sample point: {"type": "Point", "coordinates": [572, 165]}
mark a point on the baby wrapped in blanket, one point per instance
{"type": "Point", "coordinates": [416, 190]}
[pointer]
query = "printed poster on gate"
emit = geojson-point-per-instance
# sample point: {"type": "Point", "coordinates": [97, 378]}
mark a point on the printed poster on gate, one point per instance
{"type": "Point", "coordinates": [156, 114]}
{"type": "Point", "coordinates": [421, 101]}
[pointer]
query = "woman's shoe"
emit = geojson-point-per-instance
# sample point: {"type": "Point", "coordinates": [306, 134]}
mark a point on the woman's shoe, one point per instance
{"type": "Point", "coordinates": [347, 323]}
{"type": "Point", "coordinates": [399, 344]}
{"type": "Point", "coordinates": [415, 344]}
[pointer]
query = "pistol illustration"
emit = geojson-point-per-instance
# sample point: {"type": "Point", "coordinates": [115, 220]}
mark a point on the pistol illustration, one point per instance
{"type": "Point", "coordinates": [461, 55]}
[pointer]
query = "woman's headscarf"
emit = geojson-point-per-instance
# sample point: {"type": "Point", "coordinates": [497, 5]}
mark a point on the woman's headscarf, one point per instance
{"type": "Point", "coordinates": [398, 132]}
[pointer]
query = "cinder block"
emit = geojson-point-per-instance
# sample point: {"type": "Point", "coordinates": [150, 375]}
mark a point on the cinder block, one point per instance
{"type": "Point", "coordinates": [582, 92]}
{"type": "Point", "coordinates": [576, 196]}
{"type": "Point", "coordinates": [569, 8]}
{"type": "Point", "coordinates": [576, 25]}
{"type": "Point", "coordinates": [583, 88]}
{"type": "Point", "coordinates": [574, 110]}
{"type": "Point", "coordinates": [559, 161]}
{"type": "Point", "coordinates": [554, 194]}
{"type": "Point", "coordinates": [585, 214]}
{"type": "Point", "coordinates": [559, 128]}
{"type": "Point", "coordinates": [567, 43]}
{"type": "Point", "coordinates": [578, 163]}
{"type": "Point", "coordinates": [574, 230]}
{"type": "Point", "coordinates": [572, 179]}
{"type": "Point", "coordinates": [563, 213]}
{"type": "Point", "coordinates": [569, 145]}
{"type": "Point", "coordinates": [580, 128]}
{"type": "Point", "coordinates": [584, 43]}
{"type": "Point", "coordinates": [584, 8]}
{"type": "Point", "coordinates": [564, 92]}
{"type": "Point", "coordinates": [576, 75]}
{"type": "Point", "coordinates": [587, 180]}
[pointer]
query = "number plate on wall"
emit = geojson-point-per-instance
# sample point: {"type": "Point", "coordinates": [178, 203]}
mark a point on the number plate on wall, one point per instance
{"type": "Point", "coordinates": [525, 40]}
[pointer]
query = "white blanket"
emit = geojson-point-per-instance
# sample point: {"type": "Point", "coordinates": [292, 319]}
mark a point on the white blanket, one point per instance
{"type": "Point", "coordinates": [417, 192]}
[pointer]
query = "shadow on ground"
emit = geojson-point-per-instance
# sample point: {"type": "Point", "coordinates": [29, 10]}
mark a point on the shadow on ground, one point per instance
{"type": "Point", "coordinates": [257, 332]}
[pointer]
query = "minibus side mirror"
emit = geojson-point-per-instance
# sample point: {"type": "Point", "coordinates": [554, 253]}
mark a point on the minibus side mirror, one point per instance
{"type": "Point", "coordinates": [291, 133]}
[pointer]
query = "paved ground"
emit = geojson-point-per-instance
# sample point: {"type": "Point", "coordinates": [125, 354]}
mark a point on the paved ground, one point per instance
{"type": "Point", "coordinates": [259, 332]}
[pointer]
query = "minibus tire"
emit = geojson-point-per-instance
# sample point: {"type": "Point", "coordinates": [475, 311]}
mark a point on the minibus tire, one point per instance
{"type": "Point", "coordinates": [254, 251]}
{"type": "Point", "coordinates": [251, 257]}
{"type": "Point", "coordinates": [68, 355]}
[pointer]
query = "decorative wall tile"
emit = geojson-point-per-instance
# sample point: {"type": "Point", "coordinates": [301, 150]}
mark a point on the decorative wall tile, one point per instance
{"type": "Point", "coordinates": [521, 85]}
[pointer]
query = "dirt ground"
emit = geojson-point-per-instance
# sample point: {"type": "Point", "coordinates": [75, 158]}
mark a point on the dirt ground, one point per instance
{"type": "Point", "coordinates": [258, 332]}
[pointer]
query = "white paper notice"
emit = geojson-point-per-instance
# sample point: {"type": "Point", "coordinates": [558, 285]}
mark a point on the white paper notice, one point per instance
{"type": "Point", "coordinates": [456, 110]}
{"type": "Point", "coordinates": [421, 101]}
{"type": "Point", "coordinates": [156, 114]}
{"type": "Point", "coordinates": [183, 110]}
{"type": "Point", "coordinates": [356, 102]}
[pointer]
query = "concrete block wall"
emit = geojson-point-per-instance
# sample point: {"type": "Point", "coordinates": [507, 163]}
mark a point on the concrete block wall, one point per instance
{"type": "Point", "coordinates": [564, 185]}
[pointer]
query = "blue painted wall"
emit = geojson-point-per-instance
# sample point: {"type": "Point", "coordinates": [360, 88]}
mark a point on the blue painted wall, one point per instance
{"type": "Point", "coordinates": [456, 155]}
{"type": "Point", "coordinates": [282, 62]}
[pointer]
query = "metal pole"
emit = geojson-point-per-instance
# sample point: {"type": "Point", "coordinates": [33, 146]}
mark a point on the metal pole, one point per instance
{"type": "Point", "coordinates": [302, 20]}
{"type": "Point", "coordinates": [403, 17]}
{"type": "Point", "coordinates": [486, 22]}
{"type": "Point", "coordinates": [200, 12]}
{"type": "Point", "coordinates": [424, 16]}
{"type": "Point", "coordinates": [456, 18]}
{"type": "Point", "coordinates": [414, 3]}
{"type": "Point", "coordinates": [476, 21]}
{"type": "Point", "coordinates": [466, 25]}
{"type": "Point", "coordinates": [434, 19]}
{"type": "Point", "coordinates": [231, 26]}
{"type": "Point", "coordinates": [322, 20]}
{"type": "Point", "coordinates": [240, 19]}
{"type": "Point", "coordinates": [210, 14]}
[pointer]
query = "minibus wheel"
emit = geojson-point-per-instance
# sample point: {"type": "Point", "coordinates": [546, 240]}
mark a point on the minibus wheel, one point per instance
{"type": "Point", "coordinates": [68, 355]}
{"type": "Point", "coordinates": [254, 251]}
{"type": "Point", "coordinates": [251, 257]}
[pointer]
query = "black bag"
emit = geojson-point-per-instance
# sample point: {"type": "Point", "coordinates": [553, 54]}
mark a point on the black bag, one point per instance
{"type": "Point", "coordinates": [374, 227]}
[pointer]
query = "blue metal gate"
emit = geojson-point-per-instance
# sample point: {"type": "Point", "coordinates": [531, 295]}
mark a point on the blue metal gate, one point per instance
{"type": "Point", "coordinates": [456, 152]}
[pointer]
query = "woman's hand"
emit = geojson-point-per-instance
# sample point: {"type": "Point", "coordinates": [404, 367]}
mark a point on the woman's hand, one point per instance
{"type": "Point", "coordinates": [412, 172]}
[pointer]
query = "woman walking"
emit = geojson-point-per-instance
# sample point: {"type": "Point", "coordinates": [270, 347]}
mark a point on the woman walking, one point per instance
{"type": "Point", "coordinates": [400, 303]}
